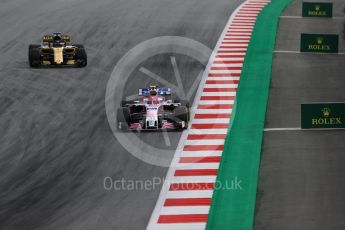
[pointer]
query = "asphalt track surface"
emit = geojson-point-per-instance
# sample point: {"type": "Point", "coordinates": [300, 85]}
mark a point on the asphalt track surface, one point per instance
{"type": "Point", "coordinates": [302, 177]}
{"type": "Point", "coordinates": [56, 143]}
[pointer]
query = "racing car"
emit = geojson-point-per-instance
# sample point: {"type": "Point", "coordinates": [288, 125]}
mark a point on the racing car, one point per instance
{"type": "Point", "coordinates": [153, 110]}
{"type": "Point", "coordinates": [57, 50]}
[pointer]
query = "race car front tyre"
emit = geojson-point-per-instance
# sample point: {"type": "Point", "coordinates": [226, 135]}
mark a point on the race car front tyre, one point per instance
{"type": "Point", "coordinates": [181, 117]}
{"type": "Point", "coordinates": [34, 56]}
{"type": "Point", "coordinates": [123, 118]}
{"type": "Point", "coordinates": [81, 57]}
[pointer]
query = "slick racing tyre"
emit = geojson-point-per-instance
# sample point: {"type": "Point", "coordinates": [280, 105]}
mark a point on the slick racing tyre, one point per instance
{"type": "Point", "coordinates": [34, 56]}
{"type": "Point", "coordinates": [123, 118]}
{"type": "Point", "coordinates": [182, 117]}
{"type": "Point", "coordinates": [81, 57]}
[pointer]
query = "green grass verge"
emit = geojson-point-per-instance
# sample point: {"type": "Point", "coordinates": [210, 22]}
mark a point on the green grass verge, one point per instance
{"type": "Point", "coordinates": [233, 208]}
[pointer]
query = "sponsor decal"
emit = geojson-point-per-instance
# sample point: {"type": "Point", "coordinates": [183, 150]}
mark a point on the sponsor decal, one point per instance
{"type": "Point", "coordinates": [319, 43]}
{"type": "Point", "coordinates": [325, 115]}
{"type": "Point", "coordinates": [317, 9]}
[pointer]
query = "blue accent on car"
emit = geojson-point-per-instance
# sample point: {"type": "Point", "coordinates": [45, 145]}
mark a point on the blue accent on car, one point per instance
{"type": "Point", "coordinates": [160, 91]}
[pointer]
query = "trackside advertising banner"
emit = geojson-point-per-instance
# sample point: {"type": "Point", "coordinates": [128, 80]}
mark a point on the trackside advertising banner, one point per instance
{"type": "Point", "coordinates": [323, 115]}
{"type": "Point", "coordinates": [319, 43]}
{"type": "Point", "coordinates": [317, 9]}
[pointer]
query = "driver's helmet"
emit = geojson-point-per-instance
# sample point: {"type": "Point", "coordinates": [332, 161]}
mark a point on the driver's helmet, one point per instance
{"type": "Point", "coordinates": [57, 37]}
{"type": "Point", "coordinates": [153, 90]}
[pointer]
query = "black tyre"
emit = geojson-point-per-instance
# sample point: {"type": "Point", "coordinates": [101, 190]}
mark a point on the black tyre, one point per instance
{"type": "Point", "coordinates": [34, 56]}
{"type": "Point", "coordinates": [123, 118]}
{"type": "Point", "coordinates": [124, 103]}
{"type": "Point", "coordinates": [183, 102]}
{"type": "Point", "coordinates": [81, 57]}
{"type": "Point", "coordinates": [137, 117]}
{"type": "Point", "coordinates": [181, 116]}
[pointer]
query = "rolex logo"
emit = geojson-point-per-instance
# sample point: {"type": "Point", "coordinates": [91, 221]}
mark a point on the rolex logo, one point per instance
{"type": "Point", "coordinates": [319, 40]}
{"type": "Point", "coordinates": [317, 7]}
{"type": "Point", "coordinates": [326, 112]}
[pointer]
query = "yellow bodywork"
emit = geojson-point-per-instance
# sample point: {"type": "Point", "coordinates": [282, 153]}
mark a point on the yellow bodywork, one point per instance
{"type": "Point", "coordinates": [70, 62]}
{"type": "Point", "coordinates": [58, 55]}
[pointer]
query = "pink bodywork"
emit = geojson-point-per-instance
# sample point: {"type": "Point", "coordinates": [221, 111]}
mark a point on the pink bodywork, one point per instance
{"type": "Point", "coordinates": [152, 110]}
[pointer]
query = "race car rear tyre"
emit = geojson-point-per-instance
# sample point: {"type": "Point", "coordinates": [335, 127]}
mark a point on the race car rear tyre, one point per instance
{"type": "Point", "coordinates": [81, 57]}
{"type": "Point", "coordinates": [182, 117]}
{"type": "Point", "coordinates": [123, 118]}
{"type": "Point", "coordinates": [34, 56]}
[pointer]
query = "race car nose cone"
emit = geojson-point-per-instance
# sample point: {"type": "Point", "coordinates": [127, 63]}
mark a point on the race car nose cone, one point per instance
{"type": "Point", "coordinates": [58, 55]}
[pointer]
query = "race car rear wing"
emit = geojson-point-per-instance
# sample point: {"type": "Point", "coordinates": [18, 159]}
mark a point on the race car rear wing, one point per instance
{"type": "Point", "coordinates": [50, 38]}
{"type": "Point", "coordinates": [160, 91]}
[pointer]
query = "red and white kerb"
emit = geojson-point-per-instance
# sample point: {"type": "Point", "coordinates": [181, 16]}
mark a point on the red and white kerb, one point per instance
{"type": "Point", "coordinates": [186, 196]}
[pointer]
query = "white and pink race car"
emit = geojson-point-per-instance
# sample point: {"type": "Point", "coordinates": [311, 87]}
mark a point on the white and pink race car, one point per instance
{"type": "Point", "coordinates": [153, 111]}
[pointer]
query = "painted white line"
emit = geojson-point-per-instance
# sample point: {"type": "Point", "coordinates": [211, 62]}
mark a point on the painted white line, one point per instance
{"type": "Point", "coordinates": [241, 51]}
{"type": "Point", "coordinates": [236, 49]}
{"type": "Point", "coordinates": [231, 86]}
{"type": "Point", "coordinates": [261, 4]}
{"type": "Point", "coordinates": [281, 129]}
{"type": "Point", "coordinates": [212, 121]}
{"type": "Point", "coordinates": [255, 5]}
{"type": "Point", "coordinates": [236, 40]}
{"type": "Point", "coordinates": [185, 210]}
{"type": "Point", "coordinates": [190, 194]}
{"type": "Point", "coordinates": [180, 226]}
{"type": "Point", "coordinates": [248, 14]}
{"type": "Point", "coordinates": [213, 111]}
{"type": "Point", "coordinates": [238, 23]}
{"type": "Point", "coordinates": [205, 141]}
{"type": "Point", "coordinates": [209, 131]}
{"type": "Point", "coordinates": [234, 46]}
{"type": "Point", "coordinates": [225, 72]}
{"type": "Point", "coordinates": [239, 33]}
{"type": "Point", "coordinates": [247, 11]}
{"type": "Point", "coordinates": [229, 59]}
{"type": "Point", "coordinates": [245, 18]}
{"type": "Point", "coordinates": [286, 51]}
{"type": "Point", "coordinates": [201, 154]}
{"type": "Point", "coordinates": [242, 26]}
{"type": "Point", "coordinates": [228, 65]}
{"type": "Point", "coordinates": [246, 30]}
{"type": "Point", "coordinates": [181, 166]}
{"type": "Point", "coordinates": [228, 37]}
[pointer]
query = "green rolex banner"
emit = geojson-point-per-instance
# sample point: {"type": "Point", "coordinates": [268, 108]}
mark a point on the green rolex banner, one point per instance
{"type": "Point", "coordinates": [319, 43]}
{"type": "Point", "coordinates": [323, 115]}
{"type": "Point", "coordinates": [317, 9]}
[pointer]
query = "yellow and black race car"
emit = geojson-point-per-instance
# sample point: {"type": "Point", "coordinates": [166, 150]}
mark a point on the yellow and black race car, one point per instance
{"type": "Point", "coordinates": [57, 50]}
